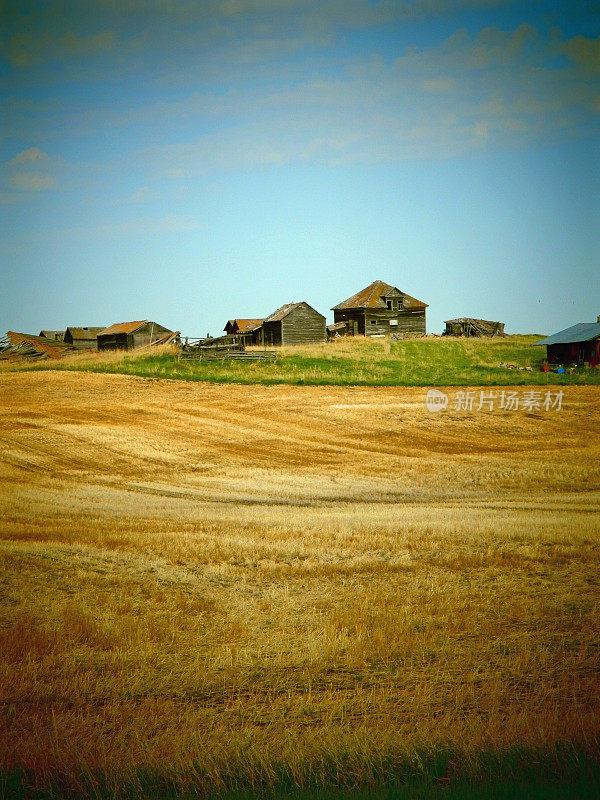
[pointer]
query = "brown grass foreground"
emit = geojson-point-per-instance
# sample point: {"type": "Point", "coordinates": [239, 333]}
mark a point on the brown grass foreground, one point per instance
{"type": "Point", "coordinates": [220, 582]}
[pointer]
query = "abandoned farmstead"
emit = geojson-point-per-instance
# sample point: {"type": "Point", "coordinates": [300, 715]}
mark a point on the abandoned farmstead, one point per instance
{"type": "Point", "coordinates": [129, 335]}
{"type": "Point", "coordinates": [377, 310]}
{"type": "Point", "coordinates": [578, 344]}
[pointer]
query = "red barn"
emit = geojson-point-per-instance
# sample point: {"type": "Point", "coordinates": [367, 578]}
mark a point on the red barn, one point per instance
{"type": "Point", "coordinates": [578, 344]}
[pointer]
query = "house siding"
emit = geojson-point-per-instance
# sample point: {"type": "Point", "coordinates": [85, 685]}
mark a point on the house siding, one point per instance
{"type": "Point", "coordinates": [376, 321]}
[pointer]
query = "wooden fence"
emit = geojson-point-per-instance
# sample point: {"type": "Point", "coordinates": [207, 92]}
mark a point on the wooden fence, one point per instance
{"type": "Point", "coordinates": [222, 348]}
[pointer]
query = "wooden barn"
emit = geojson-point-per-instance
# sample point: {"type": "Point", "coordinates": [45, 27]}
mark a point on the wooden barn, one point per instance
{"type": "Point", "coordinates": [129, 335]}
{"type": "Point", "coordinates": [55, 336]}
{"type": "Point", "coordinates": [579, 344]}
{"type": "Point", "coordinates": [469, 326]}
{"type": "Point", "coordinates": [248, 329]}
{"type": "Point", "coordinates": [294, 323]}
{"type": "Point", "coordinates": [83, 338]}
{"type": "Point", "coordinates": [380, 309]}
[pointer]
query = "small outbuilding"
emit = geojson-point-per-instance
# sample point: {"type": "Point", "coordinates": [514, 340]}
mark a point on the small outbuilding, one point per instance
{"type": "Point", "coordinates": [378, 310]}
{"type": "Point", "coordinates": [55, 336]}
{"type": "Point", "coordinates": [248, 330]}
{"type": "Point", "coordinates": [578, 344]}
{"type": "Point", "coordinates": [469, 326]}
{"type": "Point", "coordinates": [129, 335]}
{"type": "Point", "coordinates": [83, 338]}
{"type": "Point", "coordinates": [294, 323]}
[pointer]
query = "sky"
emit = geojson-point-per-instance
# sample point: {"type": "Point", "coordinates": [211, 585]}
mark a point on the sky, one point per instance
{"type": "Point", "coordinates": [191, 161]}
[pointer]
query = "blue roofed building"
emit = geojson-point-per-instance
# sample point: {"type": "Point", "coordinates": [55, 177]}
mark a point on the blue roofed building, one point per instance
{"type": "Point", "coordinates": [578, 344]}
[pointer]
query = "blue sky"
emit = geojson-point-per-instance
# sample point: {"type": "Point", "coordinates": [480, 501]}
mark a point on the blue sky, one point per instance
{"type": "Point", "coordinates": [190, 162]}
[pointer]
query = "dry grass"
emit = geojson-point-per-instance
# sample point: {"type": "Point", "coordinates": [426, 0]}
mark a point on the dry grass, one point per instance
{"type": "Point", "coordinates": [355, 361]}
{"type": "Point", "coordinates": [218, 583]}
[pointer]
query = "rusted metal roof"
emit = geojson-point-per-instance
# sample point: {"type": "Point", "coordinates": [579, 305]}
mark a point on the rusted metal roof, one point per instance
{"type": "Point", "coordinates": [244, 325]}
{"type": "Point", "coordinates": [122, 327]}
{"type": "Point", "coordinates": [28, 345]}
{"type": "Point", "coordinates": [372, 296]}
{"type": "Point", "coordinates": [87, 333]}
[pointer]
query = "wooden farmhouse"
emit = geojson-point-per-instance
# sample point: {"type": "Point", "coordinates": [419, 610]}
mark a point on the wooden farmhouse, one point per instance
{"type": "Point", "coordinates": [129, 335]}
{"type": "Point", "coordinates": [578, 344]}
{"type": "Point", "coordinates": [294, 323]}
{"type": "Point", "coordinates": [380, 309]}
{"type": "Point", "coordinates": [84, 338]}
{"type": "Point", "coordinates": [248, 329]}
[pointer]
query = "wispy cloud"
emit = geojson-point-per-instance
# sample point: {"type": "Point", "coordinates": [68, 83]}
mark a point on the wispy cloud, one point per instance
{"type": "Point", "coordinates": [27, 49]}
{"type": "Point", "coordinates": [26, 156]}
{"type": "Point", "coordinates": [494, 88]}
{"type": "Point", "coordinates": [149, 226]}
{"type": "Point", "coordinates": [267, 87]}
{"type": "Point", "coordinates": [32, 181]}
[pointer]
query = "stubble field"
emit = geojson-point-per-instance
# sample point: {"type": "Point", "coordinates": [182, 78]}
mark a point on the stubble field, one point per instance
{"type": "Point", "coordinates": [227, 587]}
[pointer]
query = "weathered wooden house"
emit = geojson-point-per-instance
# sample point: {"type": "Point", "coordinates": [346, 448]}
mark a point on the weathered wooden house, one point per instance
{"type": "Point", "coordinates": [129, 335]}
{"type": "Point", "coordinates": [468, 326]}
{"type": "Point", "coordinates": [84, 338]}
{"type": "Point", "coordinates": [55, 336]}
{"type": "Point", "coordinates": [578, 344]}
{"type": "Point", "coordinates": [381, 309]}
{"type": "Point", "coordinates": [293, 323]}
{"type": "Point", "coordinates": [249, 330]}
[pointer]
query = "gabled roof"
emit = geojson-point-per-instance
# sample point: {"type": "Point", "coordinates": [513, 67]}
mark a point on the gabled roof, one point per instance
{"type": "Point", "coordinates": [286, 309]}
{"type": "Point", "coordinates": [84, 333]}
{"type": "Point", "coordinates": [52, 335]}
{"type": "Point", "coordinates": [244, 325]}
{"type": "Point", "coordinates": [582, 332]}
{"type": "Point", "coordinates": [122, 327]}
{"type": "Point", "coordinates": [372, 297]}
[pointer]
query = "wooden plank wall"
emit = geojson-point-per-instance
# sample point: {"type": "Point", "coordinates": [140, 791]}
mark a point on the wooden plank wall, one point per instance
{"type": "Point", "coordinates": [376, 321]}
{"type": "Point", "coordinates": [303, 325]}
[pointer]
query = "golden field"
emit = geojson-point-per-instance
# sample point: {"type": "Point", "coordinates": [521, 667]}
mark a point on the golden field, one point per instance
{"type": "Point", "coordinates": [221, 583]}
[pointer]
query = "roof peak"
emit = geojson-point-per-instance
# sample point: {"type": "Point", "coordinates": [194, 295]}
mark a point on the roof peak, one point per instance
{"type": "Point", "coordinates": [371, 297]}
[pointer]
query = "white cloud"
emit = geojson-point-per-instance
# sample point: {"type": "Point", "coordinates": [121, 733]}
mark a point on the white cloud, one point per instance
{"type": "Point", "coordinates": [26, 156]}
{"type": "Point", "coordinates": [32, 181]}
